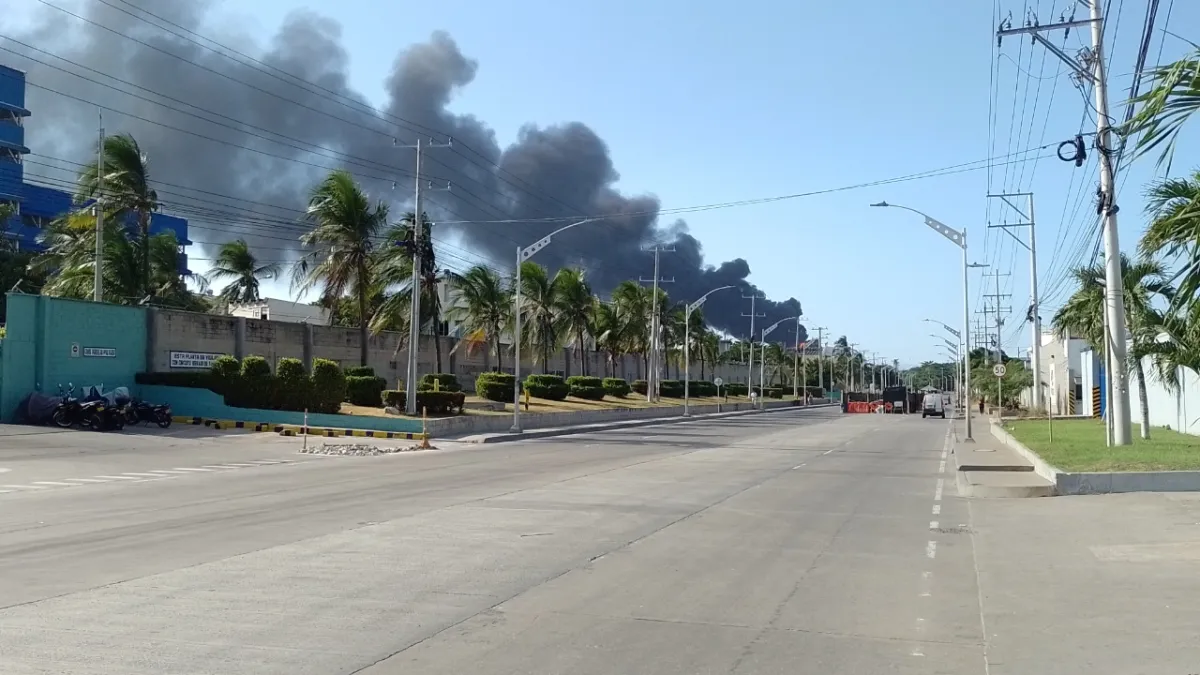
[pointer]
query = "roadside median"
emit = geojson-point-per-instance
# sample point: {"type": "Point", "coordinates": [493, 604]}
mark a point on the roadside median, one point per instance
{"type": "Point", "coordinates": [1078, 461]}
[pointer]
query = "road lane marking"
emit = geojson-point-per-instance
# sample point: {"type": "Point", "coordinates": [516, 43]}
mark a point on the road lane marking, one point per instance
{"type": "Point", "coordinates": [828, 451]}
{"type": "Point", "coordinates": [933, 524]}
{"type": "Point", "coordinates": [240, 465]}
{"type": "Point", "coordinates": [170, 472]}
{"type": "Point", "coordinates": [931, 549]}
{"type": "Point", "coordinates": [54, 483]}
{"type": "Point", "coordinates": [25, 487]}
{"type": "Point", "coordinates": [142, 475]}
{"type": "Point", "coordinates": [117, 477]}
{"type": "Point", "coordinates": [216, 466]}
{"type": "Point", "coordinates": [85, 480]}
{"type": "Point", "coordinates": [937, 509]}
{"type": "Point", "coordinates": [797, 467]}
{"type": "Point", "coordinates": [183, 469]}
{"type": "Point", "coordinates": [942, 467]}
{"type": "Point", "coordinates": [937, 494]}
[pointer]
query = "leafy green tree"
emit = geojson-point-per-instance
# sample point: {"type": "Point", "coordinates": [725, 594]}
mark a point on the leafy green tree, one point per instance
{"type": "Point", "coordinates": [235, 261]}
{"type": "Point", "coordinates": [341, 242]}
{"type": "Point", "coordinates": [574, 305]}
{"type": "Point", "coordinates": [482, 304]}
{"type": "Point", "coordinates": [538, 313]}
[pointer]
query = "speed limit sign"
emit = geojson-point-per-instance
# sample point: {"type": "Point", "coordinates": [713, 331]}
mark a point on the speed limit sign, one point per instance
{"type": "Point", "coordinates": [998, 370]}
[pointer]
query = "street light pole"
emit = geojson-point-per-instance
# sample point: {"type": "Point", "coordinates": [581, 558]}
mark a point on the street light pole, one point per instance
{"type": "Point", "coordinates": [762, 361]}
{"type": "Point", "coordinates": [958, 239]}
{"type": "Point", "coordinates": [687, 355]}
{"type": "Point", "coordinates": [524, 254]}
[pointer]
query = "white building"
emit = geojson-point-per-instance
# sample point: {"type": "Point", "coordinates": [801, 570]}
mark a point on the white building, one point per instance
{"type": "Point", "coordinates": [271, 309]}
{"type": "Point", "coordinates": [1062, 376]}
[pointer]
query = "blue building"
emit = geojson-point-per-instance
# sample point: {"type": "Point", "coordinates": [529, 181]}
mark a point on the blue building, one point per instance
{"type": "Point", "coordinates": [36, 205]}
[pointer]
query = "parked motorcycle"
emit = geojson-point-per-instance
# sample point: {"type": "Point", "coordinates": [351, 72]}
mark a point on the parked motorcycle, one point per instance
{"type": "Point", "coordinates": [137, 412]}
{"type": "Point", "coordinates": [93, 411]}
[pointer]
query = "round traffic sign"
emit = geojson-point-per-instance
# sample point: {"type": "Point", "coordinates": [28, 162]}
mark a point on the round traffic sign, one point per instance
{"type": "Point", "coordinates": [998, 370]}
{"type": "Point", "coordinates": [718, 381]}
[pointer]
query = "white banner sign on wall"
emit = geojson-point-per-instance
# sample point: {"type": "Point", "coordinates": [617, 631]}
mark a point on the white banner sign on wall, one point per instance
{"type": "Point", "coordinates": [197, 360]}
{"type": "Point", "coordinates": [101, 352]}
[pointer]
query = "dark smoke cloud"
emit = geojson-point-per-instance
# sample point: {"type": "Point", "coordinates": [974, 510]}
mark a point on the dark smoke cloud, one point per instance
{"type": "Point", "coordinates": [549, 172]}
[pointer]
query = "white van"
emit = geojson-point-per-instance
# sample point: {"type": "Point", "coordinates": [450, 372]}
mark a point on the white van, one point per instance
{"type": "Point", "coordinates": [932, 405]}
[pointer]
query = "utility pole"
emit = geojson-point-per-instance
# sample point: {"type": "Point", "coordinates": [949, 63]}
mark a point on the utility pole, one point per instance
{"type": "Point", "coordinates": [653, 377]}
{"type": "Point", "coordinates": [1035, 322]}
{"type": "Point", "coordinates": [999, 311]}
{"type": "Point", "coordinates": [1090, 68]}
{"type": "Point", "coordinates": [753, 297]}
{"type": "Point", "coordinates": [820, 360]}
{"type": "Point", "coordinates": [98, 273]}
{"type": "Point", "coordinates": [414, 318]}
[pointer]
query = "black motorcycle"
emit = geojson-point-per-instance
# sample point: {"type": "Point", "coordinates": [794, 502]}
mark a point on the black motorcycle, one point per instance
{"type": "Point", "coordinates": [93, 412]}
{"type": "Point", "coordinates": [137, 412]}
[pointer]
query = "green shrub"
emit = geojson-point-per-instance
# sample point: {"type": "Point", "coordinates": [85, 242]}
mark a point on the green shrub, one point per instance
{"type": "Point", "coordinates": [293, 386]}
{"type": "Point", "coordinates": [495, 386]}
{"type": "Point", "coordinates": [616, 387]}
{"type": "Point", "coordinates": [584, 381]}
{"type": "Point", "coordinates": [671, 389]}
{"type": "Point", "coordinates": [255, 387]}
{"type": "Point", "coordinates": [329, 386]}
{"type": "Point", "coordinates": [440, 402]}
{"type": "Point", "coordinates": [587, 393]}
{"type": "Point", "coordinates": [549, 387]}
{"type": "Point", "coordinates": [359, 371]}
{"type": "Point", "coordinates": [771, 392]}
{"type": "Point", "coordinates": [815, 392]}
{"type": "Point", "coordinates": [736, 389]}
{"type": "Point", "coordinates": [394, 398]}
{"type": "Point", "coordinates": [640, 387]}
{"type": "Point", "coordinates": [365, 389]}
{"type": "Point", "coordinates": [226, 372]}
{"type": "Point", "coordinates": [446, 382]}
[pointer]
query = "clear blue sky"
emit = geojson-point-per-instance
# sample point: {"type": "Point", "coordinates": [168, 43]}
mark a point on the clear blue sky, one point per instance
{"type": "Point", "coordinates": [705, 102]}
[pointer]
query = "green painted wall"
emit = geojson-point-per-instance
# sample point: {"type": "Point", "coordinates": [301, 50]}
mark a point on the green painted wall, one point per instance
{"type": "Point", "coordinates": [39, 349]}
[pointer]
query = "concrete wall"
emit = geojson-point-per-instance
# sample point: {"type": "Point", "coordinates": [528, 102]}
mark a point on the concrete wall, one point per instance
{"type": "Point", "coordinates": [1178, 409]}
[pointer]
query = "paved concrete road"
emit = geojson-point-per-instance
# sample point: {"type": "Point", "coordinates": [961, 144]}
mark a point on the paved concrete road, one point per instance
{"type": "Point", "coordinates": [790, 542]}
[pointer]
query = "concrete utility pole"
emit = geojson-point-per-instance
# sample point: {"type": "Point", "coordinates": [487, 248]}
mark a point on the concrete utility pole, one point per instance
{"type": "Point", "coordinates": [1035, 322]}
{"type": "Point", "coordinates": [850, 366]}
{"type": "Point", "coordinates": [820, 358]}
{"type": "Point", "coordinates": [654, 376]}
{"type": "Point", "coordinates": [753, 297]}
{"type": "Point", "coordinates": [414, 317]}
{"type": "Point", "coordinates": [98, 273]}
{"type": "Point", "coordinates": [1090, 68]}
{"type": "Point", "coordinates": [999, 311]}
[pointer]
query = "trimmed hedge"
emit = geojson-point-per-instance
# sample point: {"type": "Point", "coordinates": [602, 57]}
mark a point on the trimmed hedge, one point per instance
{"type": "Point", "coordinates": [671, 389]}
{"type": "Point", "coordinates": [329, 386]}
{"type": "Point", "coordinates": [365, 389]}
{"type": "Point", "coordinates": [615, 387]}
{"type": "Point", "coordinates": [446, 382]}
{"type": "Point", "coordinates": [584, 381]}
{"type": "Point", "coordinates": [588, 393]}
{"type": "Point", "coordinates": [293, 386]}
{"type": "Point", "coordinates": [495, 386]}
{"type": "Point", "coordinates": [549, 387]}
{"type": "Point", "coordinates": [772, 392]}
{"type": "Point", "coordinates": [432, 402]}
{"type": "Point", "coordinates": [736, 389]}
{"type": "Point", "coordinates": [701, 388]}
{"type": "Point", "coordinates": [640, 387]}
{"type": "Point", "coordinates": [359, 371]}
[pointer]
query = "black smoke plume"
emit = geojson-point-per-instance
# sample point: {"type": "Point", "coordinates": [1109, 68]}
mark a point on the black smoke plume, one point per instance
{"type": "Point", "coordinates": [231, 178]}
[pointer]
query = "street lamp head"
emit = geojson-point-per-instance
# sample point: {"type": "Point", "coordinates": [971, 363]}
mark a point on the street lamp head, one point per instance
{"type": "Point", "coordinates": [881, 204]}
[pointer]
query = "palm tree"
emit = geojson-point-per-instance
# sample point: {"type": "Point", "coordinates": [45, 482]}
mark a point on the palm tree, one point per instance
{"type": "Point", "coordinates": [1082, 314]}
{"type": "Point", "coordinates": [393, 269]}
{"type": "Point", "coordinates": [538, 312]}
{"type": "Point", "coordinates": [236, 261]}
{"type": "Point", "coordinates": [1166, 106]}
{"type": "Point", "coordinates": [710, 350]}
{"type": "Point", "coordinates": [1174, 230]}
{"type": "Point", "coordinates": [341, 260]}
{"type": "Point", "coordinates": [634, 302]}
{"type": "Point", "coordinates": [482, 303]}
{"type": "Point", "coordinates": [573, 309]}
{"type": "Point", "coordinates": [127, 190]}
{"type": "Point", "coordinates": [611, 327]}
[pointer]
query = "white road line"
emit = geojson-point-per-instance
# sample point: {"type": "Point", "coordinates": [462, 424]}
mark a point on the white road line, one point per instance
{"type": "Point", "coordinates": [183, 469]}
{"type": "Point", "coordinates": [85, 480]}
{"type": "Point", "coordinates": [142, 475]}
{"type": "Point", "coordinates": [4, 492]}
{"type": "Point", "coordinates": [931, 549]}
{"type": "Point", "coordinates": [117, 477]}
{"type": "Point", "coordinates": [50, 482]}
{"type": "Point", "coordinates": [263, 462]}
{"type": "Point", "coordinates": [216, 466]}
{"type": "Point", "coordinates": [937, 509]}
{"type": "Point", "coordinates": [828, 451]}
{"type": "Point", "coordinates": [168, 472]}
{"type": "Point", "coordinates": [942, 467]}
{"type": "Point", "coordinates": [933, 524]}
{"type": "Point", "coordinates": [240, 465]}
{"type": "Point", "coordinates": [24, 487]}
{"type": "Point", "coordinates": [937, 494]}
{"type": "Point", "coordinates": [797, 467]}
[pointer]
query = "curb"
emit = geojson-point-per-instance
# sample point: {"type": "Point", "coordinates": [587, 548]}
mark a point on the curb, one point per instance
{"type": "Point", "coordinates": [295, 430]}
{"type": "Point", "coordinates": [626, 424]}
{"type": "Point", "coordinates": [1090, 483]}
{"type": "Point", "coordinates": [968, 489]}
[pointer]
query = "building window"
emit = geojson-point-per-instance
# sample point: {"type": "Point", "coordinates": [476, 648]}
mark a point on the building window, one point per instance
{"type": "Point", "coordinates": [10, 155]}
{"type": "Point", "coordinates": [36, 222]}
{"type": "Point", "coordinates": [444, 328]}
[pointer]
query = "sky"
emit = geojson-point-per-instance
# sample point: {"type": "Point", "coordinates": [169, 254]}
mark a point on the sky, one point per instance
{"type": "Point", "coordinates": [703, 102]}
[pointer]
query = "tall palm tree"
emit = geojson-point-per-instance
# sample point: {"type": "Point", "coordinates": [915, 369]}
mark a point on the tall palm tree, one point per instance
{"type": "Point", "coordinates": [237, 262]}
{"type": "Point", "coordinates": [1082, 314]}
{"type": "Point", "coordinates": [634, 301]}
{"type": "Point", "coordinates": [127, 190]}
{"type": "Point", "coordinates": [393, 269]}
{"type": "Point", "coordinates": [1174, 230]}
{"type": "Point", "coordinates": [710, 351]}
{"type": "Point", "coordinates": [611, 326]}
{"type": "Point", "coordinates": [573, 310]}
{"type": "Point", "coordinates": [538, 312]}
{"type": "Point", "coordinates": [482, 302]}
{"type": "Point", "coordinates": [1170, 102]}
{"type": "Point", "coordinates": [344, 225]}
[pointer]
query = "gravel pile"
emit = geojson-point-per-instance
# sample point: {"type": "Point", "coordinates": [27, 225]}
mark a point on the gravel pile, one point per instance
{"type": "Point", "coordinates": [356, 449]}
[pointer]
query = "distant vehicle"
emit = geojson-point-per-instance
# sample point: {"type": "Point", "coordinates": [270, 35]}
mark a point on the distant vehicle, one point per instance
{"type": "Point", "coordinates": [946, 399]}
{"type": "Point", "coordinates": [932, 405]}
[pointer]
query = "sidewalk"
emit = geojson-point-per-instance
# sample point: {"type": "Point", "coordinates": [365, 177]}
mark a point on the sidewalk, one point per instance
{"type": "Point", "coordinates": [987, 468]}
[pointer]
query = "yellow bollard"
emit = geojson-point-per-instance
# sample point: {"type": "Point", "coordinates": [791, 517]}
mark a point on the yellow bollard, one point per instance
{"type": "Point", "coordinates": [425, 431]}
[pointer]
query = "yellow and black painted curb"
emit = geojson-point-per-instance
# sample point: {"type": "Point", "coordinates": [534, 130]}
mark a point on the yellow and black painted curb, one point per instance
{"type": "Point", "coordinates": [296, 430]}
